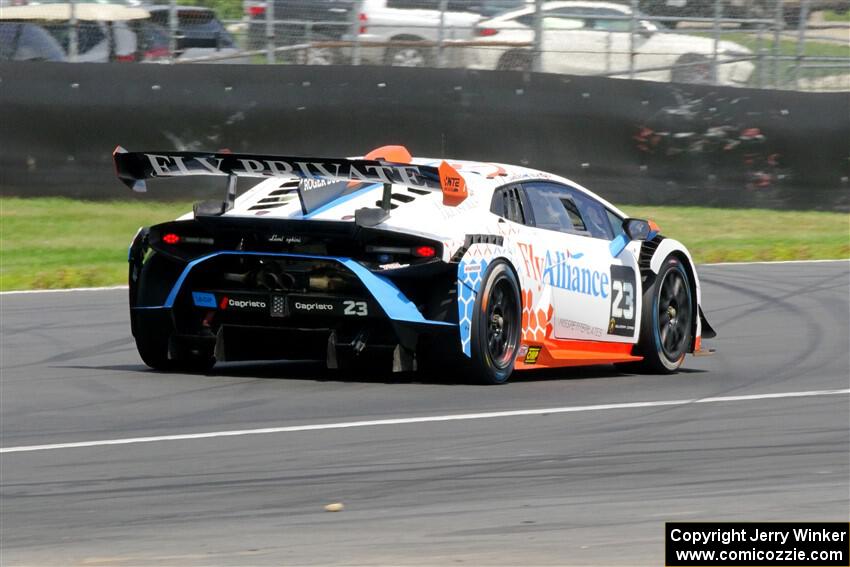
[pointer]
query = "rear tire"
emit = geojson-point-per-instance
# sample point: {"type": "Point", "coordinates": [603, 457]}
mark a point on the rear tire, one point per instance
{"type": "Point", "coordinates": [667, 319]}
{"type": "Point", "coordinates": [160, 352]}
{"type": "Point", "coordinates": [515, 61]}
{"type": "Point", "coordinates": [496, 322]}
{"type": "Point", "coordinates": [692, 68]}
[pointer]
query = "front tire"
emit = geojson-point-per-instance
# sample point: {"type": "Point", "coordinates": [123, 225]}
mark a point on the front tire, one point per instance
{"type": "Point", "coordinates": [496, 322]}
{"type": "Point", "coordinates": [667, 319]}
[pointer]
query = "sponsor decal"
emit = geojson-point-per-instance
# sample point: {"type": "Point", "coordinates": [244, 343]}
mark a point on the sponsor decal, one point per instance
{"type": "Point", "coordinates": [244, 304]}
{"type": "Point", "coordinates": [558, 268]}
{"type": "Point", "coordinates": [623, 289]}
{"type": "Point", "coordinates": [203, 299]}
{"type": "Point", "coordinates": [472, 268]}
{"type": "Point", "coordinates": [314, 306]}
{"type": "Point", "coordinates": [285, 239]}
{"type": "Point", "coordinates": [523, 349]}
{"type": "Point", "coordinates": [532, 355]}
{"type": "Point", "coordinates": [578, 326]}
{"type": "Point", "coordinates": [169, 165]}
{"type": "Point", "coordinates": [392, 266]}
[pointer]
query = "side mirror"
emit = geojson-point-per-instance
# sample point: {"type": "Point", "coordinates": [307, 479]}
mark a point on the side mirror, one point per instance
{"type": "Point", "coordinates": [639, 229]}
{"type": "Point", "coordinates": [646, 29]}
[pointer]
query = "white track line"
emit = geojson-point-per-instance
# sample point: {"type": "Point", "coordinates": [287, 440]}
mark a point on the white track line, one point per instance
{"type": "Point", "coordinates": [65, 290]}
{"type": "Point", "coordinates": [421, 419]}
{"type": "Point", "coordinates": [776, 262]}
{"type": "Point", "coordinates": [108, 288]}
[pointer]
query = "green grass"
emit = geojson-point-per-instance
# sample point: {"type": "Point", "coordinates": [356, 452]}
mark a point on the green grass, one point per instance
{"type": "Point", "coordinates": [831, 16]}
{"type": "Point", "coordinates": [788, 47]}
{"type": "Point", "coordinates": [60, 243]}
{"type": "Point", "coordinates": [740, 235]}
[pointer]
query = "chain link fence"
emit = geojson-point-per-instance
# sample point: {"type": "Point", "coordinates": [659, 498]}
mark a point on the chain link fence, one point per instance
{"type": "Point", "coordinates": [788, 44]}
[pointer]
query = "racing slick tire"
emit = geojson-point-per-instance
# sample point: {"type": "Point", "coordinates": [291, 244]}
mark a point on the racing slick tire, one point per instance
{"type": "Point", "coordinates": [152, 331]}
{"type": "Point", "coordinates": [496, 322]}
{"type": "Point", "coordinates": [666, 320]}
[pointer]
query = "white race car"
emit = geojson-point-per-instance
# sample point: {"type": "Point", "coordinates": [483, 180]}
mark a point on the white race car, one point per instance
{"type": "Point", "coordinates": [424, 262]}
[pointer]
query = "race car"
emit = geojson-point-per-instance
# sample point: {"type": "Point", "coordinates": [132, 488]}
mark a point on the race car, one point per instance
{"type": "Point", "coordinates": [424, 263]}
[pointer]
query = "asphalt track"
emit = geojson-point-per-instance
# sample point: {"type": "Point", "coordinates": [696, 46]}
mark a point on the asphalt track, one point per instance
{"type": "Point", "coordinates": [569, 487]}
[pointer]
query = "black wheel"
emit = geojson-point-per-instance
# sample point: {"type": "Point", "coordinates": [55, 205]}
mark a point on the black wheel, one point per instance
{"type": "Point", "coordinates": [496, 325]}
{"type": "Point", "coordinates": [515, 61]}
{"type": "Point", "coordinates": [692, 68]}
{"type": "Point", "coordinates": [667, 318]}
{"type": "Point", "coordinates": [318, 55]}
{"type": "Point", "coordinates": [153, 329]}
{"type": "Point", "coordinates": [408, 55]}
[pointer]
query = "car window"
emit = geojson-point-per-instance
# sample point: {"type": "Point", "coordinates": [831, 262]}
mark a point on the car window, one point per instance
{"type": "Point", "coordinates": [508, 204]}
{"type": "Point", "coordinates": [8, 40]}
{"type": "Point", "coordinates": [89, 35]}
{"type": "Point", "coordinates": [33, 43]}
{"type": "Point", "coordinates": [199, 28]}
{"type": "Point", "coordinates": [562, 208]}
{"type": "Point", "coordinates": [616, 223]}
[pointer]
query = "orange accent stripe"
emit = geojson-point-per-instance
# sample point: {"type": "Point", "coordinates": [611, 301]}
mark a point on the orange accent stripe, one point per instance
{"type": "Point", "coordinates": [565, 353]}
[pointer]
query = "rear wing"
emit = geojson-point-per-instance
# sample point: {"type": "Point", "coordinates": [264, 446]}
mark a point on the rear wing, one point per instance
{"type": "Point", "coordinates": [133, 168]}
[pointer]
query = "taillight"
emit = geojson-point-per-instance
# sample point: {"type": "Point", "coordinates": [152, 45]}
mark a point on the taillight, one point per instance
{"type": "Point", "coordinates": [125, 58]}
{"type": "Point", "coordinates": [425, 251]}
{"type": "Point", "coordinates": [171, 238]}
{"type": "Point", "coordinates": [156, 53]}
{"type": "Point", "coordinates": [256, 10]}
{"type": "Point", "coordinates": [364, 22]}
{"type": "Point", "coordinates": [485, 32]}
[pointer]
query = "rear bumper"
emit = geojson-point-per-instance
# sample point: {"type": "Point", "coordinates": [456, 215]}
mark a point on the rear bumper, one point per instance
{"type": "Point", "coordinates": [251, 322]}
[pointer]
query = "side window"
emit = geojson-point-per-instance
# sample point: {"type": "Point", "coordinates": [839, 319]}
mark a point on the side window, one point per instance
{"type": "Point", "coordinates": [553, 208]}
{"type": "Point", "coordinates": [562, 208]}
{"type": "Point", "coordinates": [616, 223]}
{"type": "Point", "coordinates": [507, 203]}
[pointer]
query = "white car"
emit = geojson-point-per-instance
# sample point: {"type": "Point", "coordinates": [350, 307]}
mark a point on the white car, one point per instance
{"type": "Point", "coordinates": [412, 29]}
{"type": "Point", "coordinates": [593, 38]}
{"type": "Point", "coordinates": [415, 261]}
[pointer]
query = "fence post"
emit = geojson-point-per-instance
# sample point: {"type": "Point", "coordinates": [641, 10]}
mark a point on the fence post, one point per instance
{"type": "Point", "coordinates": [635, 7]}
{"type": "Point", "coordinates": [441, 34]}
{"type": "Point", "coordinates": [718, 14]}
{"type": "Point", "coordinates": [778, 24]}
{"type": "Point", "coordinates": [760, 57]}
{"type": "Point", "coordinates": [356, 25]}
{"type": "Point", "coordinates": [537, 45]}
{"type": "Point", "coordinates": [73, 37]}
{"type": "Point", "coordinates": [308, 39]}
{"type": "Point", "coordinates": [270, 42]}
{"type": "Point", "coordinates": [801, 41]}
{"type": "Point", "coordinates": [172, 30]}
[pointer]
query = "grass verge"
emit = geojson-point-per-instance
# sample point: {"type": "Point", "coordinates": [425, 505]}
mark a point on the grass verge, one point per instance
{"type": "Point", "coordinates": [764, 71]}
{"type": "Point", "coordinates": [60, 243]}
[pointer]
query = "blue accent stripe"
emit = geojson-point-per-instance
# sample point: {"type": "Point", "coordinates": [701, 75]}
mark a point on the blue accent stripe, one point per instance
{"type": "Point", "coordinates": [341, 200]}
{"type": "Point", "coordinates": [392, 300]}
{"type": "Point", "coordinates": [618, 244]}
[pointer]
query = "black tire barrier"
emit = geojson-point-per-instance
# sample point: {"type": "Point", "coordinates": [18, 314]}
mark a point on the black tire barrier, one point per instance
{"type": "Point", "coordinates": [633, 142]}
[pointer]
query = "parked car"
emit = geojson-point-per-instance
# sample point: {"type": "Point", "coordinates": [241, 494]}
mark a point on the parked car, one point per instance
{"type": "Point", "coordinates": [22, 41]}
{"type": "Point", "coordinates": [199, 33]}
{"type": "Point", "coordinates": [594, 38]}
{"type": "Point", "coordinates": [303, 21]}
{"type": "Point", "coordinates": [763, 9]}
{"type": "Point", "coordinates": [105, 32]}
